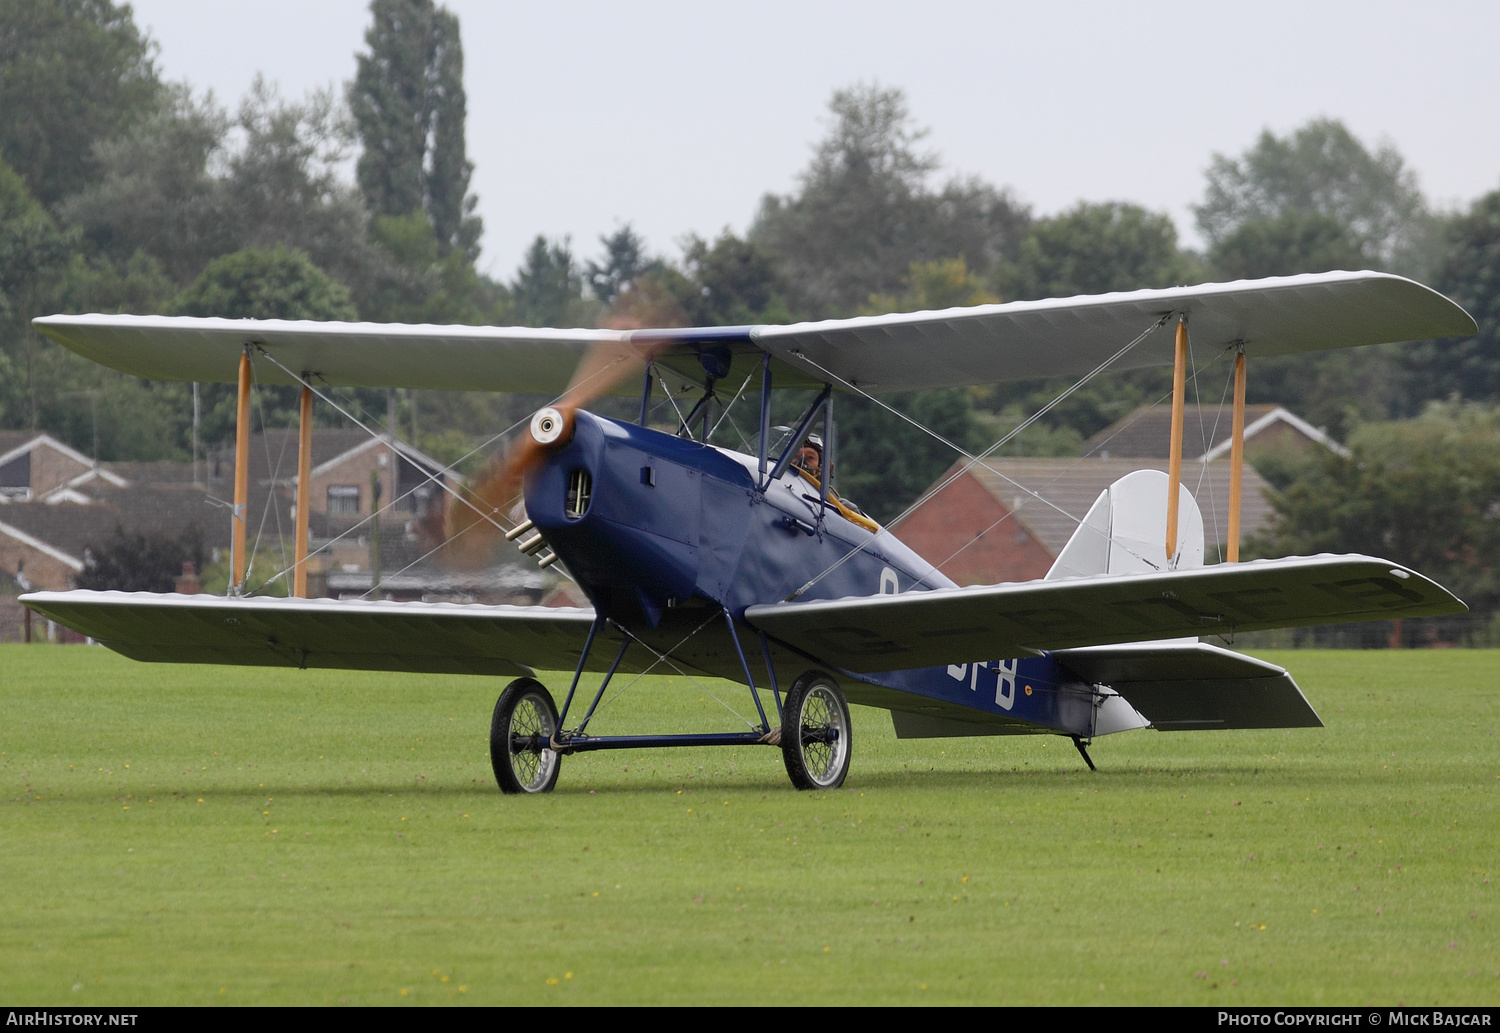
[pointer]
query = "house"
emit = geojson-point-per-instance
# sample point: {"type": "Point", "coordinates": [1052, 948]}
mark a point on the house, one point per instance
{"type": "Point", "coordinates": [44, 543]}
{"type": "Point", "coordinates": [1147, 433]}
{"type": "Point", "coordinates": [343, 464]}
{"type": "Point", "coordinates": [45, 487]}
{"type": "Point", "coordinates": [353, 474]}
{"type": "Point", "coordinates": [1007, 520]}
{"type": "Point", "coordinates": [37, 467]}
{"type": "Point", "coordinates": [57, 504]}
{"type": "Point", "coordinates": [49, 525]}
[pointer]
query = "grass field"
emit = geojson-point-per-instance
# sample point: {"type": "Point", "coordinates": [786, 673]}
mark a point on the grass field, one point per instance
{"type": "Point", "coordinates": [199, 835]}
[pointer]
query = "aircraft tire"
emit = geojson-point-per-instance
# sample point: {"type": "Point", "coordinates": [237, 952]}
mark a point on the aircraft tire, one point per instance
{"type": "Point", "coordinates": [815, 732]}
{"type": "Point", "coordinates": [525, 720]}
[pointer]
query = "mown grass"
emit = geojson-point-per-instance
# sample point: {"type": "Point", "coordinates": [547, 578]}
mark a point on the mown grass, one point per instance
{"type": "Point", "coordinates": [199, 835]}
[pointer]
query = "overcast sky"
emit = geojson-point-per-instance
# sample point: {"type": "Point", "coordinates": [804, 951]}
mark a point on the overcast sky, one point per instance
{"type": "Point", "coordinates": [677, 116]}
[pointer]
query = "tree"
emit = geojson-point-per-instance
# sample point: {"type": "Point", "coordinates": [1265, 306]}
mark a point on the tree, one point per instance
{"type": "Point", "coordinates": [44, 386]}
{"type": "Point", "coordinates": [864, 213]}
{"type": "Point", "coordinates": [274, 284]}
{"type": "Point", "coordinates": [33, 259]}
{"type": "Point", "coordinates": [409, 106]}
{"type": "Point", "coordinates": [1281, 245]}
{"type": "Point", "coordinates": [1470, 366]}
{"type": "Point", "coordinates": [972, 220]}
{"type": "Point", "coordinates": [934, 285]}
{"type": "Point", "coordinates": [624, 260]}
{"type": "Point", "coordinates": [140, 562]}
{"type": "Point", "coordinates": [260, 284]}
{"type": "Point", "coordinates": [1322, 169]}
{"type": "Point", "coordinates": [1092, 248]}
{"type": "Point", "coordinates": [421, 284]}
{"type": "Point", "coordinates": [184, 190]}
{"type": "Point", "coordinates": [883, 462]}
{"type": "Point", "coordinates": [284, 186]}
{"type": "Point", "coordinates": [31, 248]}
{"type": "Point", "coordinates": [155, 195]}
{"type": "Point", "coordinates": [548, 288]}
{"type": "Point", "coordinates": [1315, 200]}
{"type": "Point", "coordinates": [72, 74]}
{"type": "Point", "coordinates": [729, 282]}
{"type": "Point", "coordinates": [1423, 492]}
{"type": "Point", "coordinates": [1096, 249]}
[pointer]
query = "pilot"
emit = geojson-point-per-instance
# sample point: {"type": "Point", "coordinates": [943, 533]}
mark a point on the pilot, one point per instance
{"type": "Point", "coordinates": [809, 462]}
{"type": "Point", "coordinates": [810, 458]}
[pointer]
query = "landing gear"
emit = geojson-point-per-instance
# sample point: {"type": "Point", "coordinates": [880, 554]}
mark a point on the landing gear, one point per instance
{"type": "Point", "coordinates": [1083, 751]}
{"type": "Point", "coordinates": [815, 733]}
{"type": "Point", "coordinates": [525, 722]}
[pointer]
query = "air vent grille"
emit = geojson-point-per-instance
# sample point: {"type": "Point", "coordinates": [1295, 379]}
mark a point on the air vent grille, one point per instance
{"type": "Point", "coordinates": [580, 492]}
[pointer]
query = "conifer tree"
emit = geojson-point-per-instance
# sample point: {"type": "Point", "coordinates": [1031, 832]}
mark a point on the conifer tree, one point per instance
{"type": "Point", "coordinates": [409, 106]}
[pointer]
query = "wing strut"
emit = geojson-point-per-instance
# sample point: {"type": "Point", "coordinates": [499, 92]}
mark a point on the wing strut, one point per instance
{"type": "Point", "coordinates": [304, 492]}
{"type": "Point", "coordinates": [241, 477]}
{"type": "Point", "coordinates": [1174, 463]}
{"type": "Point", "coordinates": [1237, 454]}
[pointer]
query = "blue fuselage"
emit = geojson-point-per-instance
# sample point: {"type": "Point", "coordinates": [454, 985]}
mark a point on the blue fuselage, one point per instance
{"type": "Point", "coordinates": [661, 532]}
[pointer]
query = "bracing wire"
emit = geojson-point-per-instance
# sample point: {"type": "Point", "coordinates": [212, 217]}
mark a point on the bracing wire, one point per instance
{"type": "Point", "coordinates": [972, 459]}
{"type": "Point", "coordinates": [667, 391]}
{"type": "Point", "coordinates": [725, 414]}
{"type": "Point", "coordinates": [1213, 436]}
{"type": "Point", "coordinates": [439, 478]}
{"type": "Point", "coordinates": [666, 658]}
{"type": "Point", "coordinates": [1099, 447]}
{"type": "Point", "coordinates": [275, 469]}
{"type": "Point", "coordinates": [1057, 477]}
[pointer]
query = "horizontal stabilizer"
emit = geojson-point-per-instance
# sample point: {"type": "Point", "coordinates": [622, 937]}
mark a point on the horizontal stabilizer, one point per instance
{"type": "Point", "coordinates": [1188, 686]}
{"type": "Point", "coordinates": [429, 638]}
{"type": "Point", "coordinates": [867, 634]}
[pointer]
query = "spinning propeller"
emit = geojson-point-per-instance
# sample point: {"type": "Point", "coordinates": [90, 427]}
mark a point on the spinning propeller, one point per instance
{"type": "Point", "coordinates": [471, 528]}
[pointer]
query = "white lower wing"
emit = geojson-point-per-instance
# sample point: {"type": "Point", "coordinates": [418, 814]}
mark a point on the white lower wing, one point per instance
{"type": "Point", "coordinates": [433, 638]}
{"type": "Point", "coordinates": [956, 625]}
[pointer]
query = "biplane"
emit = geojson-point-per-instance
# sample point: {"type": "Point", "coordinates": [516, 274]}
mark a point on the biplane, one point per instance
{"type": "Point", "coordinates": [700, 560]}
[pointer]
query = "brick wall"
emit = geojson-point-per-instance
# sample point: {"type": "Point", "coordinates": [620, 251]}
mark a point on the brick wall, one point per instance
{"type": "Point", "coordinates": [43, 571]}
{"type": "Point", "coordinates": [945, 529]}
{"type": "Point", "coordinates": [49, 468]}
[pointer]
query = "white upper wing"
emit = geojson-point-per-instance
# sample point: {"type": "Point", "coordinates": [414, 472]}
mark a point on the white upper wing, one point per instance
{"type": "Point", "coordinates": [984, 344]}
{"type": "Point", "coordinates": [458, 358]}
{"type": "Point", "coordinates": [1023, 340]}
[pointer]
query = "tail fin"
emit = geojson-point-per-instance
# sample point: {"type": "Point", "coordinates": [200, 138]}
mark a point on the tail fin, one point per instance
{"type": "Point", "coordinates": [1125, 531]}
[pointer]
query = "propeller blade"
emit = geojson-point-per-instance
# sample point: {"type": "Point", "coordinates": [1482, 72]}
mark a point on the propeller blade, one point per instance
{"type": "Point", "coordinates": [471, 528]}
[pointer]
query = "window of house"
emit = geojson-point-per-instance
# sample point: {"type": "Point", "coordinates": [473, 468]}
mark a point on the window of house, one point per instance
{"type": "Point", "coordinates": [417, 485]}
{"type": "Point", "coordinates": [343, 500]}
{"type": "Point", "coordinates": [15, 478]}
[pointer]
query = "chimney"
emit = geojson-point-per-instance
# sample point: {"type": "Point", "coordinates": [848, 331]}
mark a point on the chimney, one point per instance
{"type": "Point", "coordinates": [189, 583]}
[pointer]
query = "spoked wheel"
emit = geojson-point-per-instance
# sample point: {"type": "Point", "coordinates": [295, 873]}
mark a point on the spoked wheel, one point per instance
{"type": "Point", "coordinates": [525, 721]}
{"type": "Point", "coordinates": [815, 733]}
